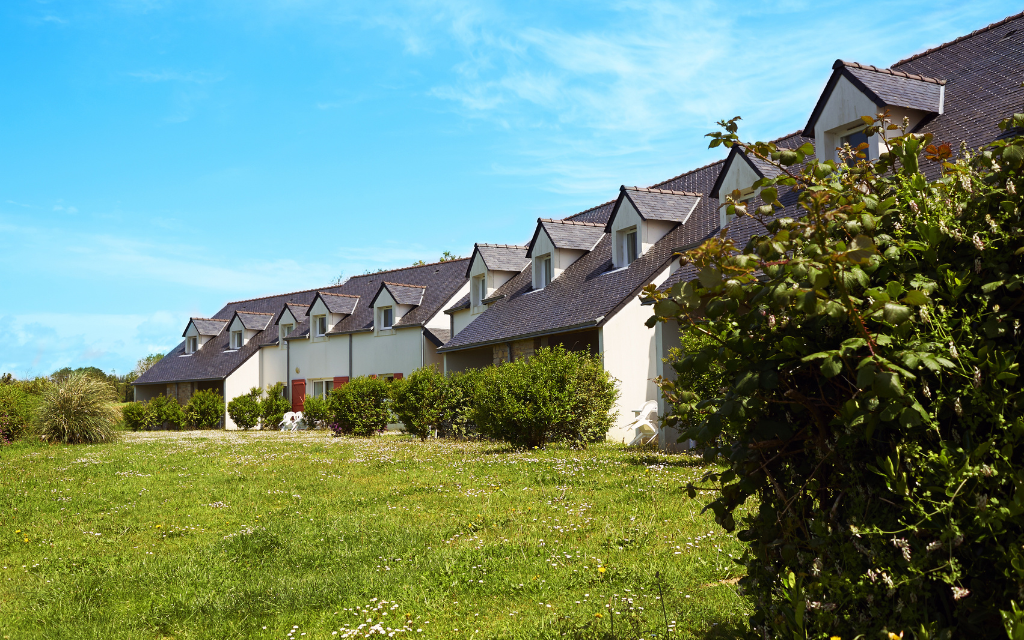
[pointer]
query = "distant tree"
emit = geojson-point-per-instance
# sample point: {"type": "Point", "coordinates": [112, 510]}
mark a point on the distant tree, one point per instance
{"type": "Point", "coordinates": [419, 263]}
{"type": "Point", "coordinates": [144, 365]}
{"type": "Point", "coordinates": [448, 256]}
{"type": "Point", "coordinates": [339, 280]}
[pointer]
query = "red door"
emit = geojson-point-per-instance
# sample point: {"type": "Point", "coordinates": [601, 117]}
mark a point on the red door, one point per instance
{"type": "Point", "coordinates": [298, 394]}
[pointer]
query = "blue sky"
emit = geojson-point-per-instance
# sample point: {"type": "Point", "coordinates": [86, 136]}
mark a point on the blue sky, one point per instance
{"type": "Point", "coordinates": [161, 157]}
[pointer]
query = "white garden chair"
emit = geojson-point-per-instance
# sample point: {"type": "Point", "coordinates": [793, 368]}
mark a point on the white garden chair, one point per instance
{"type": "Point", "coordinates": [643, 430]}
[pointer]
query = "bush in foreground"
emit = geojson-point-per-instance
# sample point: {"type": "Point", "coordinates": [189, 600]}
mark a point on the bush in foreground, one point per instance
{"type": "Point", "coordinates": [245, 410]}
{"type": "Point", "coordinates": [15, 412]}
{"type": "Point", "coordinates": [553, 396]}
{"type": "Point", "coordinates": [137, 416]}
{"type": "Point", "coordinates": [204, 410]}
{"type": "Point", "coordinates": [273, 406]}
{"type": "Point", "coordinates": [362, 407]}
{"type": "Point", "coordinates": [166, 411]}
{"type": "Point", "coordinates": [874, 400]}
{"type": "Point", "coordinates": [428, 403]}
{"type": "Point", "coordinates": [78, 409]}
{"type": "Point", "coordinates": [316, 412]}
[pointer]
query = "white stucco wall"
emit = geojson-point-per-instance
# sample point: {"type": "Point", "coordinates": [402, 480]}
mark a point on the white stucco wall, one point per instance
{"type": "Point", "coordinates": [273, 366]}
{"type": "Point", "coordinates": [630, 353]}
{"type": "Point", "coordinates": [441, 320]}
{"type": "Point", "coordinates": [324, 358]}
{"type": "Point", "coordinates": [239, 382]}
{"type": "Point", "coordinates": [741, 176]}
{"type": "Point", "coordinates": [399, 351]}
{"type": "Point", "coordinates": [460, 320]}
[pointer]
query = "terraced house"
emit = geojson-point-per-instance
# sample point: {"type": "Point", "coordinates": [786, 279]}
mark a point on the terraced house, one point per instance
{"type": "Point", "coordinates": [577, 281]}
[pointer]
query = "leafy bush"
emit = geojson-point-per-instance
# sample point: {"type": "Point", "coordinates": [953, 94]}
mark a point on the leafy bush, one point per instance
{"type": "Point", "coordinates": [246, 409]}
{"type": "Point", "coordinates": [167, 412]}
{"type": "Point", "coordinates": [361, 407]}
{"type": "Point", "coordinates": [137, 416]}
{"type": "Point", "coordinates": [555, 395]}
{"type": "Point", "coordinates": [273, 406]}
{"type": "Point", "coordinates": [15, 412]}
{"type": "Point", "coordinates": [204, 410]}
{"type": "Point", "coordinates": [316, 412]}
{"type": "Point", "coordinates": [874, 404]}
{"type": "Point", "coordinates": [428, 402]}
{"type": "Point", "coordinates": [78, 409]}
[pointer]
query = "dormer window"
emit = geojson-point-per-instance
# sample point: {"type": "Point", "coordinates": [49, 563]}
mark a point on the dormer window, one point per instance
{"type": "Point", "coordinates": [627, 239]}
{"type": "Point", "coordinates": [855, 139]}
{"type": "Point", "coordinates": [387, 318]}
{"type": "Point", "coordinates": [191, 344]}
{"type": "Point", "coordinates": [481, 289]}
{"type": "Point", "coordinates": [544, 268]}
{"type": "Point", "coordinates": [286, 330]}
{"type": "Point", "coordinates": [236, 340]}
{"type": "Point", "coordinates": [320, 325]}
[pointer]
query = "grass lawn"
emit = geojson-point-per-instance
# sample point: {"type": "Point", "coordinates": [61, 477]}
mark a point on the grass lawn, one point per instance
{"type": "Point", "coordinates": [300, 535]}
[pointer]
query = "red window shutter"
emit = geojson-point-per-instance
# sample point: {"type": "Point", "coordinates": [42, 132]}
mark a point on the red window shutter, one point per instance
{"type": "Point", "coordinates": [298, 394]}
{"type": "Point", "coordinates": [398, 376]}
{"type": "Point", "coordinates": [373, 376]}
{"type": "Point", "coordinates": [340, 380]}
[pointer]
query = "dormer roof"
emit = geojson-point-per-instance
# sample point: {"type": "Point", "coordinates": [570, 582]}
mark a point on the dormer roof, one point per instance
{"type": "Point", "coordinates": [206, 326]}
{"type": "Point", "coordinates": [568, 234]}
{"type": "Point", "coordinates": [337, 302]}
{"type": "Point", "coordinates": [410, 294]}
{"type": "Point", "coordinates": [500, 257]}
{"type": "Point", "coordinates": [297, 310]}
{"type": "Point", "coordinates": [656, 204]}
{"type": "Point", "coordinates": [884, 87]}
{"type": "Point", "coordinates": [254, 320]}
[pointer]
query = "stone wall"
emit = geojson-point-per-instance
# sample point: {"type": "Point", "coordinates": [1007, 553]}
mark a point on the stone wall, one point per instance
{"type": "Point", "coordinates": [181, 391]}
{"type": "Point", "coordinates": [520, 349]}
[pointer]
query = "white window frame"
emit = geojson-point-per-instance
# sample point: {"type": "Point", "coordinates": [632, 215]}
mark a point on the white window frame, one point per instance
{"type": "Point", "coordinates": [545, 271]}
{"type": "Point", "coordinates": [191, 344]}
{"type": "Point", "coordinates": [237, 339]}
{"type": "Point", "coordinates": [386, 322]}
{"type": "Point", "coordinates": [844, 138]}
{"type": "Point", "coordinates": [320, 327]}
{"type": "Point", "coordinates": [480, 284]}
{"type": "Point", "coordinates": [322, 388]}
{"type": "Point", "coordinates": [628, 256]}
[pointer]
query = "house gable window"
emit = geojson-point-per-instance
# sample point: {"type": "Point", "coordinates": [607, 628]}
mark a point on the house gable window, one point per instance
{"type": "Point", "coordinates": [322, 388]}
{"type": "Point", "coordinates": [286, 330]}
{"type": "Point", "coordinates": [387, 317]}
{"type": "Point", "coordinates": [320, 325]}
{"type": "Point", "coordinates": [191, 344]}
{"type": "Point", "coordinates": [855, 139]}
{"type": "Point", "coordinates": [544, 271]}
{"type": "Point", "coordinates": [236, 340]}
{"type": "Point", "coordinates": [629, 249]}
{"type": "Point", "coordinates": [481, 289]}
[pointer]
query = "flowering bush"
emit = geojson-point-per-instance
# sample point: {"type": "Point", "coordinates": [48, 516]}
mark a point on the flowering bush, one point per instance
{"type": "Point", "coordinates": [873, 405]}
{"type": "Point", "coordinates": [361, 407]}
{"type": "Point", "coordinates": [555, 395]}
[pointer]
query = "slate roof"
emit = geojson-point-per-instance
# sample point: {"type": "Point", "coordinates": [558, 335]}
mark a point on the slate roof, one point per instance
{"type": "Point", "coordinates": [338, 302]}
{"type": "Point", "coordinates": [401, 293]}
{"type": "Point", "coordinates": [500, 257]}
{"type": "Point", "coordinates": [437, 336]}
{"type": "Point", "coordinates": [656, 204]}
{"type": "Point", "coordinates": [214, 361]}
{"type": "Point", "coordinates": [298, 311]}
{"type": "Point", "coordinates": [568, 234]}
{"type": "Point", "coordinates": [582, 296]}
{"type": "Point", "coordinates": [463, 303]}
{"type": "Point", "coordinates": [255, 320]}
{"type": "Point", "coordinates": [206, 326]}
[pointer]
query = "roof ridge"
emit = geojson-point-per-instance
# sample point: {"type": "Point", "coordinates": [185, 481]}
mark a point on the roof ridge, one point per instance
{"type": "Point", "coordinates": [503, 246]}
{"type": "Point", "coordinates": [891, 72]}
{"type": "Point", "coordinates": [208, 319]}
{"type": "Point", "coordinates": [662, 191]}
{"type": "Point", "coordinates": [686, 173]}
{"type": "Point", "coordinates": [960, 39]}
{"type": "Point", "coordinates": [300, 304]}
{"type": "Point", "coordinates": [402, 284]}
{"type": "Point", "coordinates": [572, 222]}
{"type": "Point", "coordinates": [328, 293]}
{"type": "Point", "coordinates": [589, 210]}
{"type": "Point", "coordinates": [255, 313]}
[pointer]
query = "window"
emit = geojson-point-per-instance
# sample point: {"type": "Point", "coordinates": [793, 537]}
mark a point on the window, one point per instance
{"type": "Point", "coordinates": [544, 267]}
{"type": "Point", "coordinates": [191, 344]}
{"type": "Point", "coordinates": [854, 140]}
{"type": "Point", "coordinates": [481, 289]}
{"type": "Point", "coordinates": [321, 325]}
{"type": "Point", "coordinates": [629, 248]}
{"type": "Point", "coordinates": [322, 388]}
{"type": "Point", "coordinates": [387, 318]}
{"type": "Point", "coordinates": [286, 330]}
{"type": "Point", "coordinates": [236, 339]}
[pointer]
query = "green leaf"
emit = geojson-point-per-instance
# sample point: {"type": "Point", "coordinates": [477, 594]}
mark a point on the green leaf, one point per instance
{"type": "Point", "coordinates": [1013, 155]}
{"type": "Point", "coordinates": [769, 194]}
{"type": "Point", "coordinates": [666, 308]}
{"type": "Point", "coordinates": [896, 313]}
{"type": "Point", "coordinates": [831, 367]}
{"type": "Point", "coordinates": [887, 385]}
{"type": "Point", "coordinates": [709, 277]}
{"type": "Point", "coordinates": [747, 383]}
{"type": "Point", "coordinates": [915, 297]}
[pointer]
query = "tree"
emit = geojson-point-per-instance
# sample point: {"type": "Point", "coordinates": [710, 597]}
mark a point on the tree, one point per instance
{"type": "Point", "coordinates": [872, 411]}
{"type": "Point", "coordinates": [144, 365]}
{"type": "Point", "coordinates": [448, 256]}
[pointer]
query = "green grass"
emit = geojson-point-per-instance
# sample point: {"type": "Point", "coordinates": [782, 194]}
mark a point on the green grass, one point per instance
{"type": "Point", "coordinates": [228, 535]}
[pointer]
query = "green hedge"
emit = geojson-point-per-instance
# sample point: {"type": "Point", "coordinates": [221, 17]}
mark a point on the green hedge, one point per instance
{"type": "Point", "coordinates": [246, 410]}
{"type": "Point", "coordinates": [362, 407]}
{"type": "Point", "coordinates": [273, 407]}
{"type": "Point", "coordinates": [16, 412]}
{"type": "Point", "coordinates": [428, 403]}
{"type": "Point", "coordinates": [553, 396]}
{"type": "Point", "coordinates": [205, 410]}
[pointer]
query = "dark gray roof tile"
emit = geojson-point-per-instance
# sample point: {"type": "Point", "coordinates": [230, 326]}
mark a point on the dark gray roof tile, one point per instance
{"type": "Point", "coordinates": [501, 257]}
{"type": "Point", "coordinates": [207, 326]}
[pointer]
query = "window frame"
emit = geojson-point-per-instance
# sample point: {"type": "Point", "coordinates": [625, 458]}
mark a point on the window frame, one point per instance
{"type": "Point", "coordinates": [387, 318]}
{"type": "Point", "coordinates": [325, 387]}
{"type": "Point", "coordinates": [321, 325]}
{"type": "Point", "coordinates": [191, 344]}
{"type": "Point", "coordinates": [240, 342]}
{"type": "Point", "coordinates": [845, 139]}
{"type": "Point", "coordinates": [546, 271]}
{"type": "Point", "coordinates": [481, 289]}
{"type": "Point", "coordinates": [630, 250]}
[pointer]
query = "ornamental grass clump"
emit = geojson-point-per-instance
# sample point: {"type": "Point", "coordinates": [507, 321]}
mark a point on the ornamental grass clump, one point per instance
{"type": "Point", "coordinates": [553, 396]}
{"type": "Point", "coordinates": [870, 420]}
{"type": "Point", "coordinates": [78, 409]}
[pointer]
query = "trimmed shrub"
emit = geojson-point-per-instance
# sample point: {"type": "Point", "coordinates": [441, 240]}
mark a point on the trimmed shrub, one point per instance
{"type": "Point", "coordinates": [555, 395]}
{"type": "Point", "coordinates": [273, 406]}
{"type": "Point", "coordinates": [205, 410]}
{"type": "Point", "coordinates": [137, 416]}
{"type": "Point", "coordinates": [362, 407]}
{"type": "Point", "coordinates": [167, 412]}
{"type": "Point", "coordinates": [78, 409]}
{"type": "Point", "coordinates": [428, 402]}
{"type": "Point", "coordinates": [870, 435]}
{"type": "Point", "coordinates": [15, 412]}
{"type": "Point", "coordinates": [316, 412]}
{"type": "Point", "coordinates": [246, 409]}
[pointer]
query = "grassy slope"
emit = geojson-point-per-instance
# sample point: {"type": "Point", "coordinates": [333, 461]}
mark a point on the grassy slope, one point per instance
{"type": "Point", "coordinates": [217, 535]}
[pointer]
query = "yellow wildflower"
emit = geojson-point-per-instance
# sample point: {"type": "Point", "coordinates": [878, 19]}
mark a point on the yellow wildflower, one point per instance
{"type": "Point", "coordinates": [157, 526]}
{"type": "Point", "coordinates": [598, 615]}
{"type": "Point", "coordinates": [600, 569]}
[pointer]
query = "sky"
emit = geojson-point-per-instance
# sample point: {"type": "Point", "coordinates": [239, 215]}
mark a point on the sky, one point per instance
{"type": "Point", "coordinates": [159, 158]}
